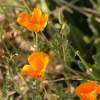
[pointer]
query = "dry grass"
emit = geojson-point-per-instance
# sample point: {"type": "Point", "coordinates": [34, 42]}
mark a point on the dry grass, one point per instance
{"type": "Point", "coordinates": [71, 39]}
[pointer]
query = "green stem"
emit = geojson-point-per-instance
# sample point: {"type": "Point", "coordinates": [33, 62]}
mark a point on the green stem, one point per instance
{"type": "Point", "coordinates": [64, 55]}
{"type": "Point", "coordinates": [27, 6]}
{"type": "Point", "coordinates": [36, 40]}
{"type": "Point", "coordinates": [44, 37]}
{"type": "Point", "coordinates": [85, 65]}
{"type": "Point", "coordinates": [14, 6]}
{"type": "Point", "coordinates": [82, 60]}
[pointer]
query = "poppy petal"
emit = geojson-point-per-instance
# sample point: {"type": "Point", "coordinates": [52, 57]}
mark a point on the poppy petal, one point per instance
{"type": "Point", "coordinates": [26, 70]}
{"type": "Point", "coordinates": [23, 19]}
{"type": "Point", "coordinates": [98, 89]}
{"type": "Point", "coordinates": [38, 60]}
{"type": "Point", "coordinates": [87, 90]}
{"type": "Point", "coordinates": [33, 27]}
{"type": "Point", "coordinates": [36, 15]}
{"type": "Point", "coordinates": [43, 21]}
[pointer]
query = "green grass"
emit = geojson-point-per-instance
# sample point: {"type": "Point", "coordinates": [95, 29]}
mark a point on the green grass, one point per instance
{"type": "Point", "coordinates": [71, 39]}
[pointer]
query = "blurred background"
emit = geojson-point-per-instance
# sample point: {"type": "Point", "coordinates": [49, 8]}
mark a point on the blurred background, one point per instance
{"type": "Point", "coordinates": [73, 31]}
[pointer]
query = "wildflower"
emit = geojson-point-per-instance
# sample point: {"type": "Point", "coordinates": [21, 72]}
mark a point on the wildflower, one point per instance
{"type": "Point", "coordinates": [35, 22]}
{"type": "Point", "coordinates": [88, 90]}
{"type": "Point", "coordinates": [38, 62]}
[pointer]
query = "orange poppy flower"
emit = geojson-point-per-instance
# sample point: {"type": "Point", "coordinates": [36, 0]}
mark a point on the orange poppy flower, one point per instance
{"type": "Point", "coordinates": [88, 90]}
{"type": "Point", "coordinates": [98, 89]}
{"type": "Point", "coordinates": [38, 62]}
{"type": "Point", "coordinates": [35, 22]}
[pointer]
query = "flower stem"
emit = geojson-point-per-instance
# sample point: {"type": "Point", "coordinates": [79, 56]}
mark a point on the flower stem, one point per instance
{"type": "Point", "coordinates": [27, 7]}
{"type": "Point", "coordinates": [36, 40]}
{"type": "Point", "coordinates": [44, 37]}
{"type": "Point", "coordinates": [85, 64]}
{"type": "Point", "coordinates": [82, 60]}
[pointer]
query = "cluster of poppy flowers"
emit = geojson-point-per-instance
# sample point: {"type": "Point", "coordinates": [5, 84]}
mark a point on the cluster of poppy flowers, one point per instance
{"type": "Point", "coordinates": [38, 61]}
